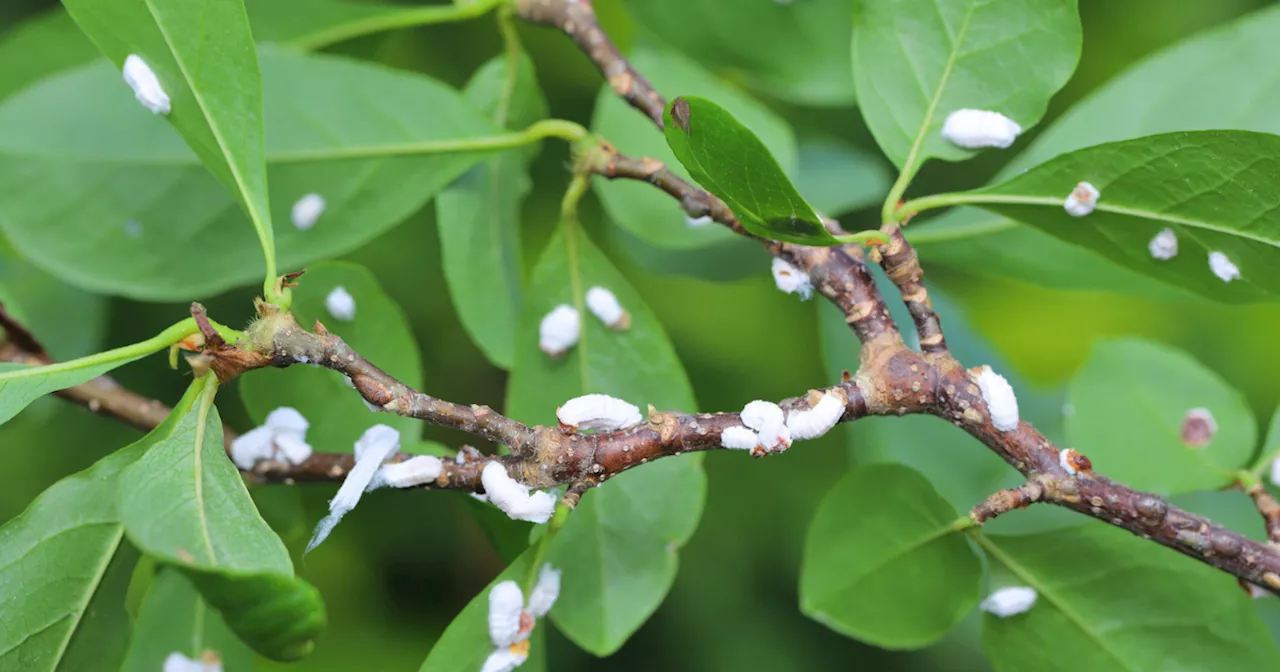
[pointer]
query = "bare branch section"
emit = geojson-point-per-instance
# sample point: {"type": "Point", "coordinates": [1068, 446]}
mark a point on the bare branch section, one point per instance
{"type": "Point", "coordinates": [902, 265]}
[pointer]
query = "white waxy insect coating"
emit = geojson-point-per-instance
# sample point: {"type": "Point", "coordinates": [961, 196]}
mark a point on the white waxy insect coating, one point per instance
{"type": "Point", "coordinates": [1163, 245]}
{"type": "Point", "coordinates": [374, 447]}
{"type": "Point", "coordinates": [790, 279]}
{"type": "Point", "coordinates": [600, 412]}
{"type": "Point", "coordinates": [307, 210]}
{"type": "Point", "coordinates": [604, 305]}
{"type": "Point", "coordinates": [1257, 592]}
{"type": "Point", "coordinates": [416, 470]}
{"type": "Point", "coordinates": [545, 591]}
{"type": "Point", "coordinates": [340, 304]}
{"type": "Point", "coordinates": [1064, 461]}
{"type": "Point", "coordinates": [1275, 472]}
{"type": "Point", "coordinates": [738, 437]}
{"type": "Point", "coordinates": [770, 424]}
{"type": "Point", "coordinates": [505, 659]}
{"type": "Point", "coordinates": [176, 662]}
{"type": "Point", "coordinates": [1010, 601]}
{"type": "Point", "coordinates": [282, 436]}
{"type": "Point", "coordinates": [1082, 200]}
{"type": "Point", "coordinates": [814, 422]}
{"type": "Point", "coordinates": [287, 420]}
{"type": "Point", "coordinates": [559, 330]}
{"type": "Point", "coordinates": [1002, 403]}
{"type": "Point", "coordinates": [146, 86]}
{"type": "Point", "coordinates": [506, 601]}
{"type": "Point", "coordinates": [695, 222]}
{"type": "Point", "coordinates": [1222, 267]}
{"type": "Point", "coordinates": [513, 497]}
{"type": "Point", "coordinates": [973, 129]}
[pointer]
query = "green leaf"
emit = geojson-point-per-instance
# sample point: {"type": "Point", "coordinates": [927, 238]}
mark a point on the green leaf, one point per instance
{"type": "Point", "coordinates": [836, 176]}
{"type": "Point", "coordinates": [42, 45]}
{"type": "Point", "coordinates": [917, 61]}
{"type": "Point", "coordinates": [1210, 187]}
{"type": "Point", "coordinates": [885, 560]}
{"type": "Point", "coordinates": [20, 385]}
{"type": "Point", "coordinates": [175, 619]}
{"type": "Point", "coordinates": [1129, 402]}
{"type": "Point", "coordinates": [639, 208]}
{"type": "Point", "coordinates": [1110, 601]}
{"type": "Point", "coordinates": [479, 215]}
{"type": "Point", "coordinates": [727, 159]}
{"type": "Point", "coordinates": [204, 56]}
{"type": "Point", "coordinates": [352, 132]}
{"type": "Point", "coordinates": [617, 550]}
{"type": "Point", "coordinates": [380, 332]}
{"type": "Point", "coordinates": [1271, 448]}
{"type": "Point", "coordinates": [185, 504]}
{"type": "Point", "coordinates": [797, 51]}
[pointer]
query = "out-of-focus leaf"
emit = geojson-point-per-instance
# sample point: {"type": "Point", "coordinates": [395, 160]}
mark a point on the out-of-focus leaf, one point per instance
{"type": "Point", "coordinates": [917, 61]}
{"type": "Point", "coordinates": [1271, 448]}
{"type": "Point", "coordinates": [40, 46]}
{"type": "Point", "coordinates": [1107, 600]}
{"type": "Point", "coordinates": [149, 223]}
{"type": "Point", "coordinates": [1129, 403]}
{"type": "Point", "coordinates": [204, 57]}
{"type": "Point", "coordinates": [379, 332]}
{"type": "Point", "coordinates": [314, 24]}
{"type": "Point", "coordinates": [728, 160]}
{"type": "Point", "coordinates": [837, 177]}
{"type": "Point", "coordinates": [639, 208]}
{"type": "Point", "coordinates": [633, 523]}
{"type": "Point", "coordinates": [793, 50]}
{"type": "Point", "coordinates": [175, 619]}
{"type": "Point", "coordinates": [479, 215]}
{"type": "Point", "coordinates": [68, 321]}
{"type": "Point", "coordinates": [1209, 187]}
{"type": "Point", "coordinates": [885, 561]}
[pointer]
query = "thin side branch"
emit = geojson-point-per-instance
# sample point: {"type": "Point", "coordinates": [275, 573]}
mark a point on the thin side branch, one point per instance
{"type": "Point", "coordinates": [1269, 508]}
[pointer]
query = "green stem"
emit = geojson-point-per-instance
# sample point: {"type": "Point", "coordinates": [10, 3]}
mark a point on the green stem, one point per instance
{"type": "Point", "coordinates": [511, 47]}
{"type": "Point", "coordinates": [407, 18]}
{"type": "Point", "coordinates": [547, 128]}
{"type": "Point", "coordinates": [863, 237]}
{"type": "Point", "coordinates": [975, 198]}
{"type": "Point", "coordinates": [540, 551]}
{"type": "Point", "coordinates": [569, 220]}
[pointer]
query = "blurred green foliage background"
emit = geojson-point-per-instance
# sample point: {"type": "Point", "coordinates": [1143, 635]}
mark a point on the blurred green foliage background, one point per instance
{"type": "Point", "coordinates": [405, 562]}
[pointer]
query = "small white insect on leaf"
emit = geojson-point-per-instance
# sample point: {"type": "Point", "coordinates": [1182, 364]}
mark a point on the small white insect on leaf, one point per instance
{"type": "Point", "coordinates": [374, 447]}
{"type": "Point", "coordinates": [208, 662]}
{"type": "Point", "coordinates": [1082, 200]}
{"type": "Point", "coordinates": [1198, 428]}
{"type": "Point", "coordinates": [559, 330]}
{"type": "Point", "coordinates": [1009, 601]}
{"type": "Point", "coordinates": [306, 211]}
{"type": "Point", "coordinates": [416, 470]}
{"type": "Point", "coordinates": [506, 602]}
{"type": "Point", "coordinates": [1002, 403]}
{"type": "Point", "coordinates": [600, 412]}
{"type": "Point", "coordinates": [513, 497]}
{"type": "Point", "coordinates": [790, 279]}
{"type": "Point", "coordinates": [545, 591]}
{"type": "Point", "coordinates": [340, 304]}
{"type": "Point", "coordinates": [814, 422]}
{"type": "Point", "coordinates": [146, 86]}
{"type": "Point", "coordinates": [1163, 245]}
{"type": "Point", "coordinates": [507, 658]}
{"type": "Point", "coordinates": [696, 222]}
{"type": "Point", "coordinates": [973, 129]}
{"type": "Point", "coordinates": [1275, 472]}
{"type": "Point", "coordinates": [1222, 267]}
{"type": "Point", "coordinates": [604, 305]}
{"type": "Point", "coordinates": [738, 437]}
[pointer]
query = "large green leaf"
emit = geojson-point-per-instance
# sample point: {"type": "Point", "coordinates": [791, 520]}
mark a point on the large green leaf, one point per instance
{"type": "Point", "coordinates": [917, 61]}
{"type": "Point", "coordinates": [204, 56]}
{"type": "Point", "coordinates": [1220, 79]}
{"type": "Point", "coordinates": [380, 332]}
{"type": "Point", "coordinates": [41, 45]}
{"type": "Point", "coordinates": [1212, 188]}
{"type": "Point", "coordinates": [836, 176]}
{"type": "Point", "coordinates": [885, 560]}
{"type": "Point", "coordinates": [639, 208]}
{"type": "Point", "coordinates": [20, 385]}
{"type": "Point", "coordinates": [618, 548]}
{"type": "Point", "coordinates": [479, 215]}
{"type": "Point", "coordinates": [352, 132]}
{"type": "Point", "coordinates": [798, 51]}
{"type": "Point", "coordinates": [1110, 601]}
{"type": "Point", "coordinates": [175, 619]}
{"type": "Point", "coordinates": [1129, 402]}
{"type": "Point", "coordinates": [185, 504]}
{"type": "Point", "coordinates": [727, 159]}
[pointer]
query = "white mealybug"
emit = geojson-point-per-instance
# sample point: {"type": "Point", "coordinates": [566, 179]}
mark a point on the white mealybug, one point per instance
{"type": "Point", "coordinates": [1255, 591]}
{"type": "Point", "coordinates": [738, 437]}
{"type": "Point", "coordinates": [1275, 472]}
{"type": "Point", "coordinates": [695, 222]}
{"type": "Point", "coordinates": [146, 86]}
{"type": "Point", "coordinates": [340, 304]}
{"type": "Point", "coordinates": [1002, 403]}
{"type": "Point", "coordinates": [545, 591]}
{"type": "Point", "coordinates": [1198, 428]}
{"type": "Point", "coordinates": [600, 412]}
{"type": "Point", "coordinates": [177, 662]}
{"type": "Point", "coordinates": [1010, 601]}
{"type": "Point", "coordinates": [1082, 200]}
{"type": "Point", "coordinates": [511, 619]}
{"type": "Point", "coordinates": [604, 305]}
{"type": "Point", "coordinates": [973, 129]}
{"type": "Point", "coordinates": [283, 436]}
{"type": "Point", "coordinates": [813, 422]}
{"type": "Point", "coordinates": [768, 420]}
{"type": "Point", "coordinates": [513, 497]}
{"type": "Point", "coordinates": [1163, 245]}
{"type": "Point", "coordinates": [416, 470]}
{"type": "Point", "coordinates": [306, 211]}
{"type": "Point", "coordinates": [506, 602]}
{"type": "Point", "coordinates": [377, 445]}
{"type": "Point", "coordinates": [559, 330]}
{"type": "Point", "coordinates": [790, 279]}
{"type": "Point", "coordinates": [1222, 267]}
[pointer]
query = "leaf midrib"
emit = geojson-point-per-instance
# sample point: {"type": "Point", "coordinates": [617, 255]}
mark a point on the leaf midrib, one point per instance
{"type": "Point", "coordinates": [918, 144]}
{"type": "Point", "coordinates": [83, 605]}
